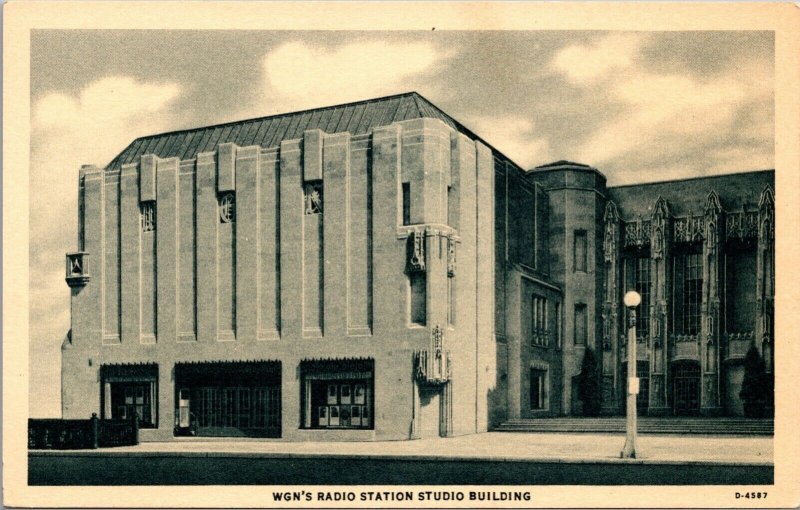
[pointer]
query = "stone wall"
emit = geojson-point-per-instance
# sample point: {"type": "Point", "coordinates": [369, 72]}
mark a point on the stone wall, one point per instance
{"type": "Point", "coordinates": [293, 275]}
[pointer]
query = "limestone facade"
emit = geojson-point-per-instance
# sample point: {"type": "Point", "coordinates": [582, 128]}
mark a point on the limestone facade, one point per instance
{"type": "Point", "coordinates": [377, 271]}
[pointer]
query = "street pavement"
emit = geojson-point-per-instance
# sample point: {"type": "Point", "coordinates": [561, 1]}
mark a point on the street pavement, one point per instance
{"type": "Point", "coordinates": [496, 446]}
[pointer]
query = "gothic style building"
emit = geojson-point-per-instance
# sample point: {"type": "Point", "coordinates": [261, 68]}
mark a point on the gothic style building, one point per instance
{"type": "Point", "coordinates": [376, 270]}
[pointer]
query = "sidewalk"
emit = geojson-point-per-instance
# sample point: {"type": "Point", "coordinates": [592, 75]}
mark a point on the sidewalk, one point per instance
{"type": "Point", "coordinates": [491, 446]}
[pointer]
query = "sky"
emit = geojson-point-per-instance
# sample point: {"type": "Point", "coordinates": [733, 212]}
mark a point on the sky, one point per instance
{"type": "Point", "coordinates": [639, 106]}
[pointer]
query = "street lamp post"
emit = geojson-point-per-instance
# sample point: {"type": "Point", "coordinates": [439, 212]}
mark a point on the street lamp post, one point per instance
{"type": "Point", "coordinates": [631, 300]}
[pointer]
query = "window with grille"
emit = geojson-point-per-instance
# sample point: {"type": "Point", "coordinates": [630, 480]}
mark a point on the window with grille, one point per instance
{"type": "Point", "coordinates": [417, 295]}
{"type": "Point", "coordinates": [338, 394]}
{"type": "Point", "coordinates": [538, 389]}
{"type": "Point", "coordinates": [539, 321]}
{"type": "Point", "coordinates": [580, 254]}
{"type": "Point", "coordinates": [688, 296]}
{"type": "Point", "coordinates": [148, 215]}
{"type": "Point", "coordinates": [128, 391]}
{"type": "Point", "coordinates": [581, 324]}
{"type": "Point", "coordinates": [638, 269]}
{"type": "Point", "coordinates": [559, 326]}
{"type": "Point", "coordinates": [406, 203]}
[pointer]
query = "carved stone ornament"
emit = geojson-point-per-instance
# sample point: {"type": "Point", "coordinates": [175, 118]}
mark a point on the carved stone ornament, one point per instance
{"type": "Point", "coordinates": [712, 203]}
{"type": "Point", "coordinates": [416, 260]}
{"type": "Point", "coordinates": [227, 207]}
{"type": "Point", "coordinates": [712, 212]}
{"type": "Point", "coordinates": [766, 207]}
{"type": "Point", "coordinates": [711, 235]}
{"type": "Point", "coordinates": [77, 269]}
{"type": "Point", "coordinates": [147, 213]}
{"type": "Point", "coordinates": [609, 242]}
{"type": "Point", "coordinates": [767, 228]}
{"type": "Point", "coordinates": [432, 366]}
{"type": "Point", "coordinates": [658, 226]}
{"type": "Point", "coordinates": [637, 233]}
{"type": "Point", "coordinates": [451, 256]}
{"type": "Point", "coordinates": [437, 337]}
{"type": "Point", "coordinates": [741, 225]}
{"type": "Point", "coordinates": [313, 197]}
{"type": "Point", "coordinates": [611, 219]}
{"type": "Point", "coordinates": [657, 244]}
{"type": "Point", "coordinates": [688, 229]}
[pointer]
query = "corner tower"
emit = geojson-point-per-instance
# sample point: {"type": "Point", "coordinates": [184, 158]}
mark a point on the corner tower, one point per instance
{"type": "Point", "coordinates": [577, 198]}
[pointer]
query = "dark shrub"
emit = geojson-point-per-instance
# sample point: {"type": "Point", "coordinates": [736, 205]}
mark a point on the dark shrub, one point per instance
{"type": "Point", "coordinates": [755, 385]}
{"type": "Point", "coordinates": [589, 391]}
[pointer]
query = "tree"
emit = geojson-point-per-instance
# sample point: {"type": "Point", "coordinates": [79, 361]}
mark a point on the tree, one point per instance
{"type": "Point", "coordinates": [589, 384]}
{"type": "Point", "coordinates": [754, 385]}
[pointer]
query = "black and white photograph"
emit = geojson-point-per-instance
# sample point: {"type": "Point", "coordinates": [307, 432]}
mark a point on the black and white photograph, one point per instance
{"type": "Point", "coordinates": [437, 264]}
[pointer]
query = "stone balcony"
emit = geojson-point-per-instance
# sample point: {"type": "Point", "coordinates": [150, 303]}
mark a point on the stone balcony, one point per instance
{"type": "Point", "coordinates": [685, 347]}
{"type": "Point", "coordinates": [642, 348]}
{"type": "Point", "coordinates": [738, 344]}
{"type": "Point", "coordinates": [432, 367]}
{"type": "Point", "coordinates": [77, 269]}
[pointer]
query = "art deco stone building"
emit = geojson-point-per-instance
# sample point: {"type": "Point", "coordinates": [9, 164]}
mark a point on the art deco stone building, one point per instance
{"type": "Point", "coordinates": [375, 270]}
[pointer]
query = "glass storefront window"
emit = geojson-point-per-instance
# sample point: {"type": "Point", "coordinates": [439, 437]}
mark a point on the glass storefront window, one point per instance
{"type": "Point", "coordinates": [337, 394]}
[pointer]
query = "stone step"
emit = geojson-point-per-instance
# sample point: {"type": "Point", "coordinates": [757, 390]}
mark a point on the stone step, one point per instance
{"type": "Point", "coordinates": [647, 425]}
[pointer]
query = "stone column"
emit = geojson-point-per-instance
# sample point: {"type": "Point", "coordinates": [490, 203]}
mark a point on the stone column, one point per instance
{"type": "Point", "coordinates": [130, 231]}
{"type": "Point", "coordinates": [611, 244]}
{"type": "Point", "coordinates": [291, 248]}
{"type": "Point", "coordinates": [167, 249]}
{"type": "Point", "coordinates": [334, 163]}
{"type": "Point", "coordinates": [765, 283]}
{"type": "Point", "coordinates": [485, 278]}
{"type": "Point", "coordinates": [710, 309]}
{"type": "Point", "coordinates": [388, 253]}
{"type": "Point", "coordinates": [206, 222]}
{"type": "Point", "coordinates": [247, 167]}
{"type": "Point", "coordinates": [515, 342]}
{"type": "Point", "coordinates": [166, 402]}
{"type": "Point", "coordinates": [660, 239]}
{"type": "Point", "coordinates": [765, 277]}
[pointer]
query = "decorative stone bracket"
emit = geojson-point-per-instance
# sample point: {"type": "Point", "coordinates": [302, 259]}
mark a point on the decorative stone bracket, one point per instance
{"type": "Point", "coordinates": [451, 256]}
{"type": "Point", "coordinates": [77, 269]}
{"type": "Point", "coordinates": [416, 252]}
{"type": "Point", "coordinates": [432, 366]}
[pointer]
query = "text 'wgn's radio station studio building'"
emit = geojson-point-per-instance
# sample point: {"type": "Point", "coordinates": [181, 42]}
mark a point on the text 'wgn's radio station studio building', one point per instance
{"type": "Point", "coordinates": [376, 271]}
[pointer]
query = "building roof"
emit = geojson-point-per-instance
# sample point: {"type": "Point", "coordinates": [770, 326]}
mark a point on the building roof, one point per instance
{"type": "Point", "coordinates": [357, 118]}
{"type": "Point", "coordinates": [561, 164]}
{"type": "Point", "coordinates": [736, 191]}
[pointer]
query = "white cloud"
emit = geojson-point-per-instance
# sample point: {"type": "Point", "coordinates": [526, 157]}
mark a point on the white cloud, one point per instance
{"type": "Point", "coordinates": [665, 115]}
{"type": "Point", "coordinates": [91, 126]}
{"type": "Point", "coordinates": [741, 159]}
{"type": "Point", "coordinates": [585, 63]}
{"type": "Point", "coordinates": [664, 110]}
{"type": "Point", "coordinates": [298, 75]}
{"type": "Point", "coordinates": [515, 137]}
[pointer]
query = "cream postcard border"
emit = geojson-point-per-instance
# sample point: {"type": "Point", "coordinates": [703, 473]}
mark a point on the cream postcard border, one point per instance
{"type": "Point", "coordinates": [20, 17]}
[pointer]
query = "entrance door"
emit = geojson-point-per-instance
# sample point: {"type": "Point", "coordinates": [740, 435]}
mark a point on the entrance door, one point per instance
{"type": "Point", "coordinates": [429, 412]}
{"type": "Point", "coordinates": [686, 388]}
{"type": "Point", "coordinates": [228, 399]}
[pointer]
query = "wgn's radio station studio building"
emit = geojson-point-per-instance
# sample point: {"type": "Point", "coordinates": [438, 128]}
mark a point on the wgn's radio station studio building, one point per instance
{"type": "Point", "coordinates": [376, 271]}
